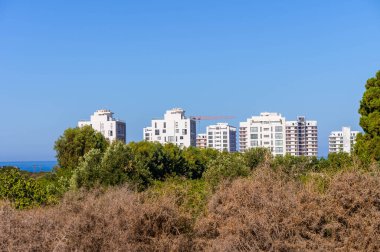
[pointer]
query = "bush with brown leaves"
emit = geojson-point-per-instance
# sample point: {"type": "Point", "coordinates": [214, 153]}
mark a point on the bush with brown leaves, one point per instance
{"type": "Point", "coordinates": [112, 221]}
{"type": "Point", "coordinates": [264, 212]}
{"type": "Point", "coordinates": [268, 213]}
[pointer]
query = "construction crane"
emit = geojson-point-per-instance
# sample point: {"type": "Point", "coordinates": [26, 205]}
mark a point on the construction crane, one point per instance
{"type": "Point", "coordinates": [199, 118]}
{"type": "Point", "coordinates": [210, 118]}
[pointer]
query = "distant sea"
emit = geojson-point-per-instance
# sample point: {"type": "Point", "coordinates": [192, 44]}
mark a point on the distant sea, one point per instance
{"type": "Point", "coordinates": [32, 166]}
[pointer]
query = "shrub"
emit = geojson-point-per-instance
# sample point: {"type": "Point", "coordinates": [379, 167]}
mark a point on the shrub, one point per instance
{"type": "Point", "coordinates": [21, 191]}
{"type": "Point", "coordinates": [257, 156]}
{"type": "Point", "coordinates": [75, 142]}
{"type": "Point", "coordinates": [225, 167]}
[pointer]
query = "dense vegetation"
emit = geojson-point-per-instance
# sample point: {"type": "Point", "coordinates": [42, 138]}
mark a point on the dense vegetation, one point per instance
{"type": "Point", "coordinates": [368, 144]}
{"type": "Point", "coordinates": [147, 196]}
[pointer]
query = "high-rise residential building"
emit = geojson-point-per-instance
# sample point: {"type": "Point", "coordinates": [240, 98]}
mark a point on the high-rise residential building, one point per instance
{"type": "Point", "coordinates": [104, 122]}
{"type": "Point", "coordinates": [202, 141]}
{"type": "Point", "coordinates": [302, 137]}
{"type": "Point", "coordinates": [175, 128]}
{"type": "Point", "coordinates": [266, 130]}
{"type": "Point", "coordinates": [221, 137]}
{"type": "Point", "coordinates": [342, 141]}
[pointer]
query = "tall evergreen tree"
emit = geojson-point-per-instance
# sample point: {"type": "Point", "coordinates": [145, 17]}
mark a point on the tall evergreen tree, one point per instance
{"type": "Point", "coordinates": [368, 144]}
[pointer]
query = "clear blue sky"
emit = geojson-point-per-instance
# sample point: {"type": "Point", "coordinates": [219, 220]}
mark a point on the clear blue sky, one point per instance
{"type": "Point", "coordinates": [62, 60]}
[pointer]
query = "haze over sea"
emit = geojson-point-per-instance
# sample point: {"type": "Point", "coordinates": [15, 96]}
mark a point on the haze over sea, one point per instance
{"type": "Point", "coordinates": [32, 166]}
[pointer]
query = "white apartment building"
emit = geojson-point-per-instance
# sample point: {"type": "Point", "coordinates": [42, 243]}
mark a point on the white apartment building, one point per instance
{"type": "Point", "coordinates": [342, 141]}
{"type": "Point", "coordinates": [302, 137]}
{"type": "Point", "coordinates": [266, 130]}
{"type": "Point", "coordinates": [103, 122]}
{"type": "Point", "coordinates": [174, 128]}
{"type": "Point", "coordinates": [221, 137]}
{"type": "Point", "coordinates": [202, 141]}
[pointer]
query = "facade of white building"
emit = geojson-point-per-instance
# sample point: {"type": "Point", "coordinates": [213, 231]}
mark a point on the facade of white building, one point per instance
{"type": "Point", "coordinates": [342, 141]}
{"type": "Point", "coordinates": [302, 137]}
{"type": "Point", "coordinates": [104, 122]}
{"type": "Point", "coordinates": [202, 141]}
{"type": "Point", "coordinates": [175, 128]}
{"type": "Point", "coordinates": [221, 137]}
{"type": "Point", "coordinates": [266, 130]}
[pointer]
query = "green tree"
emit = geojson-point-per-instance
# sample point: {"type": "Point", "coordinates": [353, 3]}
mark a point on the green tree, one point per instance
{"type": "Point", "coordinates": [74, 143]}
{"type": "Point", "coordinates": [225, 167]}
{"type": "Point", "coordinates": [21, 190]}
{"type": "Point", "coordinates": [116, 166]}
{"type": "Point", "coordinates": [197, 160]}
{"type": "Point", "coordinates": [257, 156]}
{"type": "Point", "coordinates": [88, 173]}
{"type": "Point", "coordinates": [368, 144]}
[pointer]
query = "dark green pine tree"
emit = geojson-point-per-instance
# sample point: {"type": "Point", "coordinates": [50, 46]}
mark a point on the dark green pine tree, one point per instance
{"type": "Point", "coordinates": [368, 144]}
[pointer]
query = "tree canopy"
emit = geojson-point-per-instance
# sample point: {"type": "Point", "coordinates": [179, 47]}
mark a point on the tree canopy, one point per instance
{"type": "Point", "coordinates": [75, 143]}
{"type": "Point", "coordinates": [368, 144]}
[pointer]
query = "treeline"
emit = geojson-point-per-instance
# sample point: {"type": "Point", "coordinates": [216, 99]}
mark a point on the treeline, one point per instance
{"type": "Point", "coordinates": [86, 160]}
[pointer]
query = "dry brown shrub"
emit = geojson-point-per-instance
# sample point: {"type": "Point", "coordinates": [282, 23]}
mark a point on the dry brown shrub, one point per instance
{"type": "Point", "coordinates": [268, 213]}
{"type": "Point", "coordinates": [113, 221]}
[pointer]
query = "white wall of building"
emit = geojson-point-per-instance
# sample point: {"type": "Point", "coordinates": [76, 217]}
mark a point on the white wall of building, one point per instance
{"type": "Point", "coordinates": [342, 141]}
{"type": "Point", "coordinates": [174, 128]}
{"type": "Point", "coordinates": [266, 130]}
{"type": "Point", "coordinates": [221, 137]}
{"type": "Point", "coordinates": [103, 122]}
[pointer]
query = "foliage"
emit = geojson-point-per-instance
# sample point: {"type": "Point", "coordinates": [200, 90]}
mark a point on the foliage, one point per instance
{"type": "Point", "coordinates": [88, 173]}
{"type": "Point", "coordinates": [368, 144]}
{"type": "Point", "coordinates": [257, 156]}
{"type": "Point", "coordinates": [197, 161]}
{"type": "Point", "coordinates": [225, 167]}
{"type": "Point", "coordinates": [190, 195]}
{"type": "Point", "coordinates": [75, 142]}
{"type": "Point", "coordinates": [21, 191]}
{"type": "Point", "coordinates": [295, 166]}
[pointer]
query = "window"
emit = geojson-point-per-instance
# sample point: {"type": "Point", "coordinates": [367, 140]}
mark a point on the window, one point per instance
{"type": "Point", "coordinates": [164, 124]}
{"type": "Point", "coordinates": [254, 136]}
{"type": "Point", "coordinates": [254, 129]}
{"type": "Point", "coordinates": [278, 129]}
{"type": "Point", "coordinates": [155, 125]}
{"type": "Point", "coordinates": [164, 131]}
{"type": "Point", "coordinates": [266, 129]}
{"type": "Point", "coordinates": [266, 136]}
{"type": "Point", "coordinates": [110, 133]}
{"type": "Point", "coordinates": [279, 150]}
{"type": "Point", "coordinates": [184, 132]}
{"type": "Point", "coordinates": [224, 132]}
{"type": "Point", "coordinates": [170, 139]}
{"type": "Point", "coordinates": [279, 142]}
{"type": "Point", "coordinates": [224, 141]}
{"type": "Point", "coordinates": [278, 135]}
{"type": "Point", "coordinates": [254, 143]}
{"type": "Point", "coordinates": [181, 137]}
{"type": "Point", "coordinates": [157, 132]}
{"type": "Point", "coordinates": [176, 130]}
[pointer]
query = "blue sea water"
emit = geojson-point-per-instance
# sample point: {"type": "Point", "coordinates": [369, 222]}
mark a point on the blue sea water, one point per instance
{"type": "Point", "coordinates": [32, 166]}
